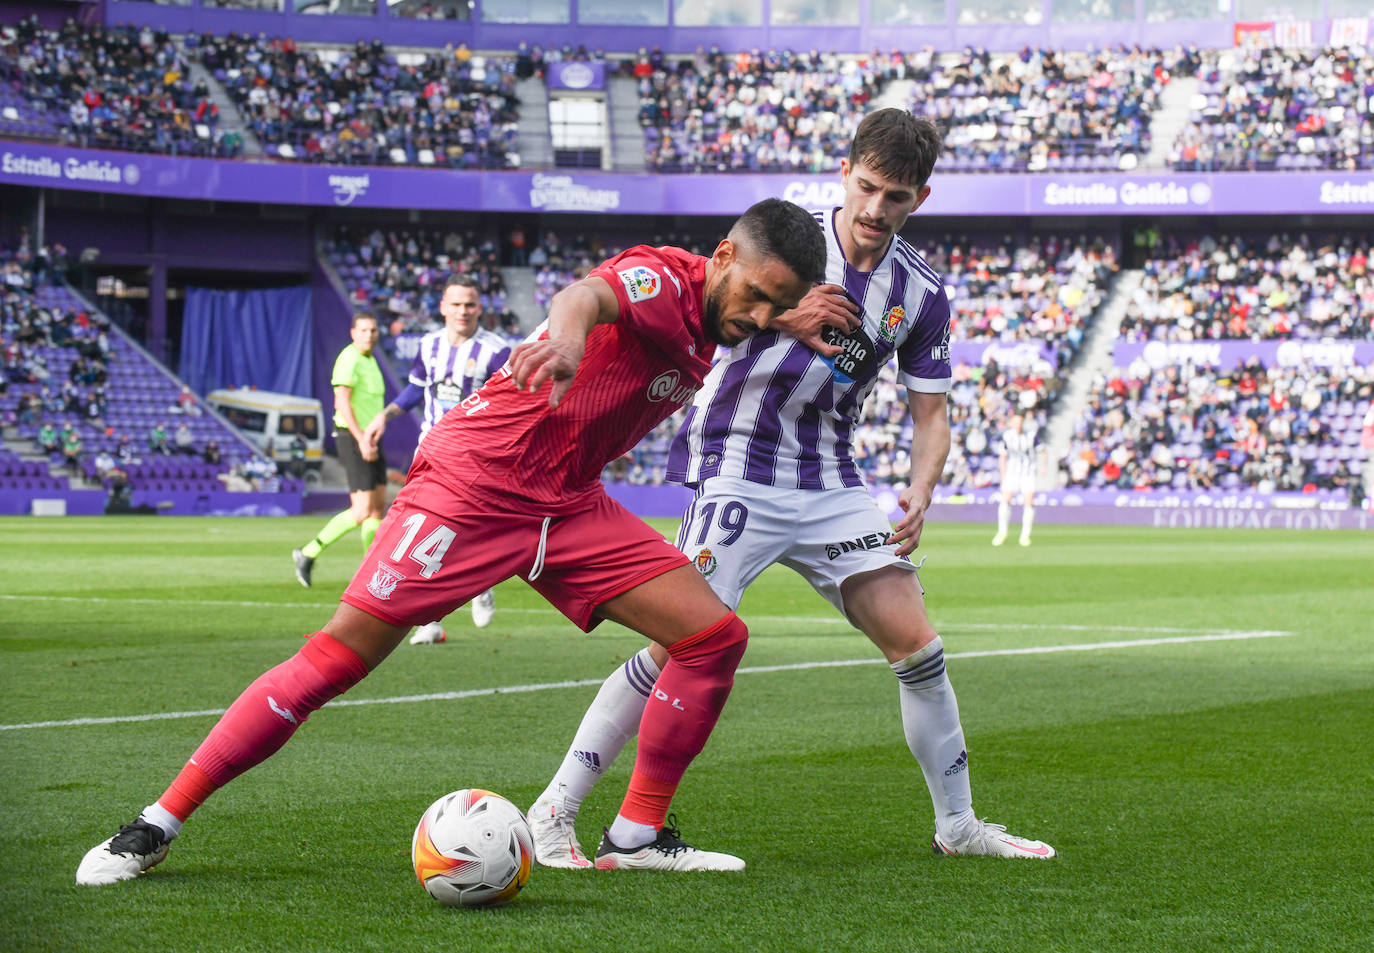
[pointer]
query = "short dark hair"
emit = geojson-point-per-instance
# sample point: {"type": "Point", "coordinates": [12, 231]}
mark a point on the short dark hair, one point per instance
{"type": "Point", "coordinates": [901, 146]}
{"type": "Point", "coordinates": [461, 281]}
{"type": "Point", "coordinates": [364, 316]}
{"type": "Point", "coordinates": [779, 229]}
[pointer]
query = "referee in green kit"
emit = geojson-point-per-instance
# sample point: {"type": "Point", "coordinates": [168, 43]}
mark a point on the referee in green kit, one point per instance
{"type": "Point", "coordinates": [358, 397]}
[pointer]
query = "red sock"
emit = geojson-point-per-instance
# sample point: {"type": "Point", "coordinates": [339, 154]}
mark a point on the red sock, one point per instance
{"type": "Point", "coordinates": [262, 719]}
{"type": "Point", "coordinates": [683, 708]}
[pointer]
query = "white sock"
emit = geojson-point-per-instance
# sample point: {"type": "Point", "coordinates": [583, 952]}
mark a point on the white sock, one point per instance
{"type": "Point", "coordinates": [609, 723]}
{"type": "Point", "coordinates": [159, 816]}
{"type": "Point", "coordinates": [930, 718]}
{"type": "Point", "coordinates": [627, 834]}
{"type": "Point", "coordinates": [1027, 517]}
{"type": "Point", "coordinates": [1003, 517]}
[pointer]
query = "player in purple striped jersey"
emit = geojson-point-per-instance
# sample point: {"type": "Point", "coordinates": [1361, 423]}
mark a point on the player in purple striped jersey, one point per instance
{"type": "Point", "coordinates": [767, 445]}
{"type": "Point", "coordinates": [1020, 460]}
{"type": "Point", "coordinates": [450, 364]}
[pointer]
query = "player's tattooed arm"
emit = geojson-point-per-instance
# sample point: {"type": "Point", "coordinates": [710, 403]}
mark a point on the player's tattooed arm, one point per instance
{"type": "Point", "coordinates": [824, 306]}
{"type": "Point", "coordinates": [573, 313]}
{"type": "Point", "coordinates": [930, 440]}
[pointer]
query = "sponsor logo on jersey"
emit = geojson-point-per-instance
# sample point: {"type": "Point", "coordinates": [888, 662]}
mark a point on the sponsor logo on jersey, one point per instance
{"type": "Point", "coordinates": [857, 358]}
{"type": "Point", "coordinates": [447, 392]}
{"type": "Point", "coordinates": [862, 543]}
{"type": "Point", "coordinates": [668, 386]}
{"type": "Point", "coordinates": [891, 322]}
{"type": "Point", "coordinates": [384, 581]}
{"type": "Point", "coordinates": [641, 283]}
{"type": "Point", "coordinates": [706, 563]}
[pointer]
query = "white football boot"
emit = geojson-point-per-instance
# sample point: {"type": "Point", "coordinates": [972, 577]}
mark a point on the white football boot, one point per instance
{"type": "Point", "coordinates": [483, 609]}
{"type": "Point", "coordinates": [555, 840]}
{"type": "Point", "coordinates": [136, 848]}
{"type": "Point", "coordinates": [992, 840]}
{"type": "Point", "coordinates": [431, 633]}
{"type": "Point", "coordinates": [666, 852]}
{"type": "Point", "coordinates": [1000, 538]}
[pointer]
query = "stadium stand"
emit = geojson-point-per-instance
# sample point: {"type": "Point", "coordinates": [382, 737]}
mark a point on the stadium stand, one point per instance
{"type": "Point", "coordinates": [1043, 110]}
{"type": "Point", "coordinates": [1190, 426]}
{"type": "Point", "coordinates": [1175, 421]}
{"type": "Point", "coordinates": [114, 411]}
{"type": "Point", "coordinates": [1281, 109]}
{"type": "Point", "coordinates": [1276, 286]}
{"type": "Point", "coordinates": [399, 275]}
{"type": "Point", "coordinates": [1042, 293]}
{"type": "Point", "coordinates": [109, 88]}
{"type": "Point", "coordinates": [365, 105]}
{"type": "Point", "coordinates": [754, 112]}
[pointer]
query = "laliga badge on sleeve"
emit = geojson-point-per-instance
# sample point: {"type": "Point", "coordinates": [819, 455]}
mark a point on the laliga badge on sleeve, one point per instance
{"type": "Point", "coordinates": [641, 283]}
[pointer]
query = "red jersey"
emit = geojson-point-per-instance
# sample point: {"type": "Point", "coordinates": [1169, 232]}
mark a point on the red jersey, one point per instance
{"type": "Point", "coordinates": [510, 445]}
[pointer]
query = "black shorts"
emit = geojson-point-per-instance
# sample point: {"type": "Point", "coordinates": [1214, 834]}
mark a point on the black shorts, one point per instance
{"type": "Point", "coordinates": [362, 474]}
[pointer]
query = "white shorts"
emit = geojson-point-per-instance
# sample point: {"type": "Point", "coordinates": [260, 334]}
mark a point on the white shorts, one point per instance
{"type": "Point", "coordinates": [735, 529]}
{"type": "Point", "coordinates": [1019, 480]}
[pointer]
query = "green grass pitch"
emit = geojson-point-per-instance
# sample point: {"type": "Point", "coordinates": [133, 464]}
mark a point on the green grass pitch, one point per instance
{"type": "Point", "coordinates": [1205, 793]}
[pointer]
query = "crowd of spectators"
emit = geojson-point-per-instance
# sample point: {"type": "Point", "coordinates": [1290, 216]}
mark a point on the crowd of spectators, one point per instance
{"type": "Point", "coordinates": [118, 87]}
{"type": "Point", "coordinates": [86, 402]}
{"type": "Point", "coordinates": [1196, 426]}
{"type": "Point", "coordinates": [1040, 109]}
{"type": "Point", "coordinates": [399, 276]}
{"type": "Point", "coordinates": [1033, 299]}
{"type": "Point", "coordinates": [1276, 286]}
{"type": "Point", "coordinates": [450, 108]}
{"type": "Point", "coordinates": [1280, 108]}
{"type": "Point", "coordinates": [752, 111]}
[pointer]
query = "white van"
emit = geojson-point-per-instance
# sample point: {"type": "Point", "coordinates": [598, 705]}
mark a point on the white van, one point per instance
{"type": "Point", "coordinates": [271, 421]}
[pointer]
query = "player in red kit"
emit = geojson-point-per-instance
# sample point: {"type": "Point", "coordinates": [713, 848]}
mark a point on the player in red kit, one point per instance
{"type": "Point", "coordinates": [622, 349]}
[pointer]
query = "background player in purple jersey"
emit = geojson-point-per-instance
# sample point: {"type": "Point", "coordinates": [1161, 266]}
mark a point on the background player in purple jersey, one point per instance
{"type": "Point", "coordinates": [766, 445]}
{"type": "Point", "coordinates": [1019, 459]}
{"type": "Point", "coordinates": [450, 363]}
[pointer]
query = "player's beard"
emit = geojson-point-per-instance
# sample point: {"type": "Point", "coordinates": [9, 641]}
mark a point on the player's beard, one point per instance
{"type": "Point", "coordinates": [710, 314]}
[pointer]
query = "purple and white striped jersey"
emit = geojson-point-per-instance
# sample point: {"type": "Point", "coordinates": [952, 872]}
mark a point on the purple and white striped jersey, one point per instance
{"type": "Point", "coordinates": [448, 373]}
{"type": "Point", "coordinates": [776, 412]}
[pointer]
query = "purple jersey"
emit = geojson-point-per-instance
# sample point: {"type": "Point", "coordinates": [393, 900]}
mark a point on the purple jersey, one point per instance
{"type": "Point", "coordinates": [448, 374]}
{"type": "Point", "coordinates": [778, 413]}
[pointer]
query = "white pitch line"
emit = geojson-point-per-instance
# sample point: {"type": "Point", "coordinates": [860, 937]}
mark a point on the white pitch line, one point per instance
{"type": "Point", "coordinates": [589, 682]}
{"type": "Point", "coordinates": [749, 617]}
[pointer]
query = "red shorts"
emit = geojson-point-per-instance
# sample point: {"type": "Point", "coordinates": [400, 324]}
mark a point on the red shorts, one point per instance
{"type": "Point", "coordinates": [437, 548]}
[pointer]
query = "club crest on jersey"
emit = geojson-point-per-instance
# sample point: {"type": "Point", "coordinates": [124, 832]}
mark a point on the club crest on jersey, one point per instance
{"type": "Point", "coordinates": [891, 322]}
{"type": "Point", "coordinates": [471, 367]}
{"type": "Point", "coordinates": [706, 563]}
{"type": "Point", "coordinates": [384, 581]}
{"type": "Point", "coordinates": [641, 283]}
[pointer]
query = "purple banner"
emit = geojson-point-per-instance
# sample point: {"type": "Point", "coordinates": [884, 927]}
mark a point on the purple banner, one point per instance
{"type": "Point", "coordinates": [1017, 354]}
{"type": "Point", "coordinates": [286, 183]}
{"type": "Point", "coordinates": [576, 75]}
{"type": "Point", "coordinates": [1228, 354]}
{"type": "Point", "coordinates": [1181, 517]}
{"type": "Point", "coordinates": [15, 502]}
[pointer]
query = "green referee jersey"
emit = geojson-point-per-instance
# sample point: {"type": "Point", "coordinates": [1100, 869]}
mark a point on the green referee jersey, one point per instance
{"type": "Point", "coordinates": [360, 372]}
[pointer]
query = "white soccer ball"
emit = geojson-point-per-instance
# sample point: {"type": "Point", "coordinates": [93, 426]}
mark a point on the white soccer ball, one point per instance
{"type": "Point", "coordinates": [472, 848]}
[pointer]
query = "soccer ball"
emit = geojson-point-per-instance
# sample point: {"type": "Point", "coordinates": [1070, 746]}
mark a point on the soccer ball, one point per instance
{"type": "Point", "coordinates": [472, 848]}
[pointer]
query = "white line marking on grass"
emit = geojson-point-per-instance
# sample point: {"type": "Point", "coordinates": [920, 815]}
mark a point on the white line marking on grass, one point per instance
{"type": "Point", "coordinates": [779, 619]}
{"type": "Point", "coordinates": [589, 682]}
